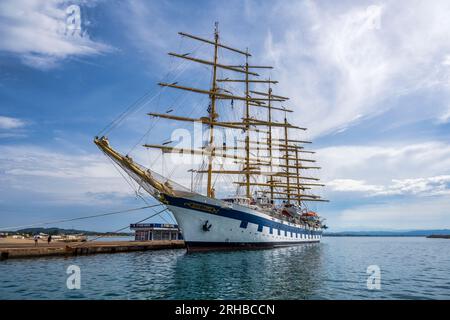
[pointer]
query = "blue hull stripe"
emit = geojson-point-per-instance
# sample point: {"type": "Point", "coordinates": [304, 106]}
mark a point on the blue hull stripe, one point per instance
{"type": "Point", "coordinates": [244, 217]}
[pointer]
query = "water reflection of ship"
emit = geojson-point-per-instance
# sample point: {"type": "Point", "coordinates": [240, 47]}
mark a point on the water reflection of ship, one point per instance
{"type": "Point", "coordinates": [283, 273]}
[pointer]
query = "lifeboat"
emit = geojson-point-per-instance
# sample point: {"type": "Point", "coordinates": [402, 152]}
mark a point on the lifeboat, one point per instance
{"type": "Point", "coordinates": [310, 214]}
{"type": "Point", "coordinates": [286, 213]}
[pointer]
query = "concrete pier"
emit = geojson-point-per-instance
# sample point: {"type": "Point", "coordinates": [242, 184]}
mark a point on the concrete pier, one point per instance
{"type": "Point", "coordinates": [10, 250]}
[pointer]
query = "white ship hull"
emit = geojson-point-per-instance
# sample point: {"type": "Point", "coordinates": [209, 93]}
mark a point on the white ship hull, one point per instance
{"type": "Point", "coordinates": [213, 224]}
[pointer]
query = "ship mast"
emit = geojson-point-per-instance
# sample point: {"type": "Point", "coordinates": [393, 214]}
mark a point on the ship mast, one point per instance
{"type": "Point", "coordinates": [212, 114]}
{"type": "Point", "coordinates": [283, 184]}
{"type": "Point", "coordinates": [297, 171]}
{"type": "Point", "coordinates": [214, 94]}
{"type": "Point", "coordinates": [269, 138]}
{"type": "Point", "coordinates": [247, 126]}
{"type": "Point", "coordinates": [286, 145]}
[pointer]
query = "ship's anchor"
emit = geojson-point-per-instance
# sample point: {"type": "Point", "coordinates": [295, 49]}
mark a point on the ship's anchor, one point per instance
{"type": "Point", "coordinates": [206, 227]}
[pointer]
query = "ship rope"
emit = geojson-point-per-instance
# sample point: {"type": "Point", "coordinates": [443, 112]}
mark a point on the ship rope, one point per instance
{"type": "Point", "coordinates": [199, 176]}
{"type": "Point", "coordinates": [80, 218]}
{"type": "Point", "coordinates": [147, 97]}
{"type": "Point", "coordinates": [161, 216]}
{"type": "Point", "coordinates": [113, 124]}
{"type": "Point", "coordinates": [121, 229]}
{"type": "Point", "coordinates": [132, 186]}
{"type": "Point", "coordinates": [179, 100]}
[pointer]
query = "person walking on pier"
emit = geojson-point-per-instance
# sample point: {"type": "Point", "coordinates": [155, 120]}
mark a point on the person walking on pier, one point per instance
{"type": "Point", "coordinates": [49, 239]}
{"type": "Point", "coordinates": [36, 240]}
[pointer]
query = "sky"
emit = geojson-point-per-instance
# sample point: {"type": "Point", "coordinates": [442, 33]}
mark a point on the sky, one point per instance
{"type": "Point", "coordinates": [369, 79]}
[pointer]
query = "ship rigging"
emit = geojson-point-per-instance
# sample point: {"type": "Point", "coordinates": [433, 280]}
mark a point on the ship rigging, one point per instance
{"type": "Point", "coordinates": [267, 160]}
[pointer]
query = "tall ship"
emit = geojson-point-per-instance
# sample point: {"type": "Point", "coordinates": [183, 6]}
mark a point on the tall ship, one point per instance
{"type": "Point", "coordinates": [264, 201]}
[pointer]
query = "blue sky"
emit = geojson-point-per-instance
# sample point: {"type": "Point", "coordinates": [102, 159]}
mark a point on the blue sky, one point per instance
{"type": "Point", "coordinates": [370, 79]}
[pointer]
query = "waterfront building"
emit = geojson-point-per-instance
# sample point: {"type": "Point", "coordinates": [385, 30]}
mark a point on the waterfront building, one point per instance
{"type": "Point", "coordinates": [156, 231]}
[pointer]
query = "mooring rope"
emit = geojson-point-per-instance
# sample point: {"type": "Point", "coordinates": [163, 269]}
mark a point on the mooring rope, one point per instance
{"type": "Point", "coordinates": [121, 229]}
{"type": "Point", "coordinates": [80, 218]}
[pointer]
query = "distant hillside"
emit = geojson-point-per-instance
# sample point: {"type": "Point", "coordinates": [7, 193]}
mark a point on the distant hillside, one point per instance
{"type": "Point", "coordinates": [56, 231]}
{"type": "Point", "coordinates": [405, 233]}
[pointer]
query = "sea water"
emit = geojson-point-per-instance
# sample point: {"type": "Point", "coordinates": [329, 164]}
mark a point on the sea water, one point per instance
{"type": "Point", "coordinates": [337, 268]}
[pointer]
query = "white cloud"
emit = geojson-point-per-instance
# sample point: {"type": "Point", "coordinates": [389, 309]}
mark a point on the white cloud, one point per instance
{"type": "Point", "coordinates": [350, 185]}
{"type": "Point", "coordinates": [380, 164]}
{"type": "Point", "coordinates": [376, 175]}
{"type": "Point", "coordinates": [8, 123]}
{"type": "Point", "coordinates": [342, 63]}
{"type": "Point", "coordinates": [37, 32]}
{"type": "Point", "coordinates": [339, 63]}
{"type": "Point", "coordinates": [59, 177]}
{"type": "Point", "coordinates": [430, 186]}
{"type": "Point", "coordinates": [154, 31]}
{"type": "Point", "coordinates": [445, 117]}
{"type": "Point", "coordinates": [446, 61]}
{"type": "Point", "coordinates": [424, 213]}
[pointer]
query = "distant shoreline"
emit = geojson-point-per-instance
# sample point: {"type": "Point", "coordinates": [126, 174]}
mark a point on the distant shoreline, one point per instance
{"type": "Point", "coordinates": [439, 236]}
{"type": "Point", "coordinates": [59, 231]}
{"type": "Point", "coordinates": [109, 235]}
{"type": "Point", "coordinates": [376, 235]}
{"type": "Point", "coordinates": [393, 233]}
